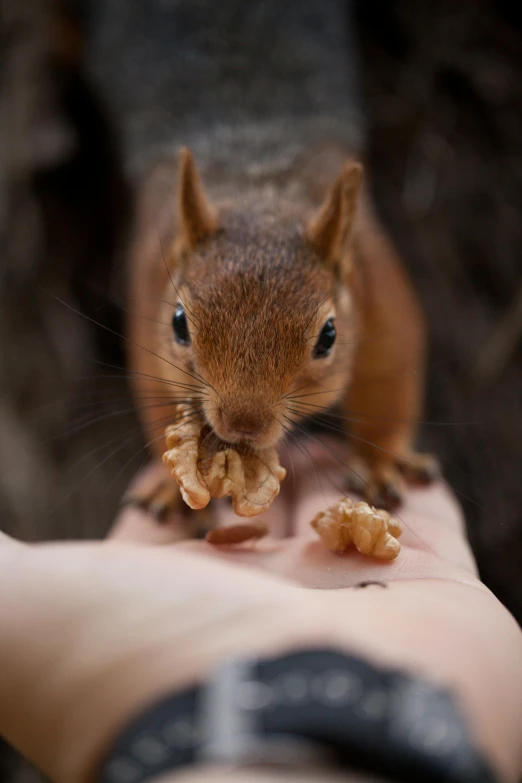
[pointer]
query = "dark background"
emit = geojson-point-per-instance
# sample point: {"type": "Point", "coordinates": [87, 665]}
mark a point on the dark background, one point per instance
{"type": "Point", "coordinates": [442, 89]}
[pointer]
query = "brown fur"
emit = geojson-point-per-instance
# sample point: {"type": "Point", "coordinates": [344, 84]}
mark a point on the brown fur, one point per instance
{"type": "Point", "coordinates": [196, 218]}
{"type": "Point", "coordinates": [331, 232]}
{"type": "Point", "coordinates": [256, 292]}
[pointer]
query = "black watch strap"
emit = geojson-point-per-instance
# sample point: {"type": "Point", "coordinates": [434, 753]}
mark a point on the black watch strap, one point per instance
{"type": "Point", "coordinates": [305, 707]}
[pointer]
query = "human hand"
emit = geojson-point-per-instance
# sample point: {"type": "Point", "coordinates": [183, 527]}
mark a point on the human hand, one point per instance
{"type": "Point", "coordinates": [92, 632]}
{"type": "Point", "coordinates": [435, 615]}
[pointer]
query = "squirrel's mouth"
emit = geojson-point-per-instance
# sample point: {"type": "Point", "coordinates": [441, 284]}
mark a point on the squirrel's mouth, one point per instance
{"type": "Point", "coordinates": [251, 433]}
{"type": "Point", "coordinates": [249, 439]}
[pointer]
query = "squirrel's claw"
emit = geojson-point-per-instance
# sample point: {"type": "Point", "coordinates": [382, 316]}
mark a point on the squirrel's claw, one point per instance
{"type": "Point", "coordinates": [382, 483]}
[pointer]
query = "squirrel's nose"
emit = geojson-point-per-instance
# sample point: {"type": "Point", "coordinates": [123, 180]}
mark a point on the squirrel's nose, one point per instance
{"type": "Point", "coordinates": [245, 425]}
{"type": "Point", "coordinates": [247, 433]}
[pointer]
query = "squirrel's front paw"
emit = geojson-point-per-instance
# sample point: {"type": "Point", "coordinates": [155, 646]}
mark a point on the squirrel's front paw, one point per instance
{"type": "Point", "coordinates": [382, 483]}
{"type": "Point", "coordinates": [158, 495]}
{"type": "Point", "coordinates": [419, 468]}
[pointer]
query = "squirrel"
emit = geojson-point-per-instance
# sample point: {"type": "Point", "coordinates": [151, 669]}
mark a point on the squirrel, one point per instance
{"type": "Point", "coordinates": [262, 286]}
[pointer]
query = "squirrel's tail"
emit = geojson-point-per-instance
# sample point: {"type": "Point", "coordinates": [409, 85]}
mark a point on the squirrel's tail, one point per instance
{"type": "Point", "coordinates": [198, 62]}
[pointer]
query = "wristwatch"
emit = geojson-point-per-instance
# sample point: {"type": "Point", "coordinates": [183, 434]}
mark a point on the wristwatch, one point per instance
{"type": "Point", "coordinates": [317, 707]}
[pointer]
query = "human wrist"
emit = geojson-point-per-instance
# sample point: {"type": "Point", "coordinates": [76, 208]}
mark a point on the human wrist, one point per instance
{"type": "Point", "coordinates": [272, 635]}
{"type": "Point", "coordinates": [305, 710]}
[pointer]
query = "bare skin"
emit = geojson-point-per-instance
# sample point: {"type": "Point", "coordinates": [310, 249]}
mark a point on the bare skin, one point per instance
{"type": "Point", "coordinates": [131, 622]}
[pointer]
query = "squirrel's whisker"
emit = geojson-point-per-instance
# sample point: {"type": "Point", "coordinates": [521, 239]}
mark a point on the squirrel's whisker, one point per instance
{"type": "Point", "coordinates": [286, 437]}
{"type": "Point", "coordinates": [121, 444]}
{"type": "Point", "coordinates": [128, 340]}
{"type": "Point", "coordinates": [111, 414]}
{"type": "Point", "coordinates": [134, 373]}
{"type": "Point", "coordinates": [311, 394]}
{"type": "Point", "coordinates": [302, 448]}
{"type": "Point", "coordinates": [336, 456]}
{"type": "Point", "coordinates": [363, 417]}
{"type": "Point", "coordinates": [112, 454]}
{"type": "Point", "coordinates": [100, 402]}
{"type": "Point", "coordinates": [359, 478]}
{"type": "Point", "coordinates": [341, 490]}
{"type": "Point", "coordinates": [145, 446]}
{"type": "Point", "coordinates": [114, 301]}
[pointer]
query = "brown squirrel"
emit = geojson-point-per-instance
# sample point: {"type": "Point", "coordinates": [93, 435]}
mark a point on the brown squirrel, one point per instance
{"type": "Point", "coordinates": [269, 293]}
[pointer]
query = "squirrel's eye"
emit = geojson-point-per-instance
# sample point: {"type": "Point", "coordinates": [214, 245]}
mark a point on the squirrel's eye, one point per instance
{"type": "Point", "coordinates": [326, 339]}
{"type": "Point", "coordinates": [180, 326]}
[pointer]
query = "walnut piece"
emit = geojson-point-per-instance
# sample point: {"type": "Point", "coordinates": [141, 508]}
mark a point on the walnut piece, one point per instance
{"type": "Point", "coordinates": [203, 471]}
{"type": "Point", "coordinates": [236, 534]}
{"type": "Point", "coordinates": [372, 531]}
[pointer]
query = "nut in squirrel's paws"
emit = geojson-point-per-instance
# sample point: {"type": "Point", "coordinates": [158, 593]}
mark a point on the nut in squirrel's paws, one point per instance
{"type": "Point", "coordinates": [372, 531]}
{"type": "Point", "coordinates": [203, 472]}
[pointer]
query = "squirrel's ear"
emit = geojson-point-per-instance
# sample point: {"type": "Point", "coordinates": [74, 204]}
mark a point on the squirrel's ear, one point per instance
{"type": "Point", "coordinates": [196, 218]}
{"type": "Point", "coordinates": [331, 230]}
